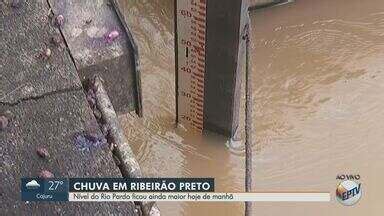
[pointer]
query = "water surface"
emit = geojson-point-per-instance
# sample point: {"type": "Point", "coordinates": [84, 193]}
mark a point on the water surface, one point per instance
{"type": "Point", "coordinates": [318, 77]}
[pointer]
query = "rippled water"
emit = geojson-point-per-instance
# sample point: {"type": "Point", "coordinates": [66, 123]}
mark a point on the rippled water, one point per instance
{"type": "Point", "coordinates": [318, 77]}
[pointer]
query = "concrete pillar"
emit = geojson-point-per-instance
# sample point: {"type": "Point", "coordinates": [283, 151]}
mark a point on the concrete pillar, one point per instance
{"type": "Point", "coordinates": [208, 63]}
{"type": "Point", "coordinates": [100, 44]}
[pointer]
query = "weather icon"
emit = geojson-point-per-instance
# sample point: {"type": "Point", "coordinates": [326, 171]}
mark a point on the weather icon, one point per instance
{"type": "Point", "coordinates": [32, 185]}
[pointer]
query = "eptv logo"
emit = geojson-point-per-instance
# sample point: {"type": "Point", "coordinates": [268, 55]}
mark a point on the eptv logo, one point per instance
{"type": "Point", "coordinates": [348, 192]}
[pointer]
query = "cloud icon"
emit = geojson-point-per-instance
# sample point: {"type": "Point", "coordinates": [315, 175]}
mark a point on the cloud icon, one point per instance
{"type": "Point", "coordinates": [32, 184]}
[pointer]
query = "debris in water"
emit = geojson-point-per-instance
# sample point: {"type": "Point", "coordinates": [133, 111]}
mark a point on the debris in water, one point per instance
{"type": "Point", "coordinates": [87, 141]}
{"type": "Point", "coordinates": [46, 174]}
{"type": "Point", "coordinates": [59, 20]}
{"type": "Point", "coordinates": [42, 152]}
{"type": "Point", "coordinates": [112, 36]}
{"type": "Point", "coordinates": [3, 122]}
{"type": "Point", "coordinates": [88, 21]}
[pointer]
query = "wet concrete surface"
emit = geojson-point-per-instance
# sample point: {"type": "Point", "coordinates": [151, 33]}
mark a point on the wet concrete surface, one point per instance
{"type": "Point", "coordinates": [87, 28]}
{"type": "Point", "coordinates": [48, 123]}
{"type": "Point", "coordinates": [25, 72]}
{"type": "Point", "coordinates": [42, 99]}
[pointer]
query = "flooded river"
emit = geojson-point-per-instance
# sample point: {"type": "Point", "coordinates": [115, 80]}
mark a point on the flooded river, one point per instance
{"type": "Point", "coordinates": [318, 77]}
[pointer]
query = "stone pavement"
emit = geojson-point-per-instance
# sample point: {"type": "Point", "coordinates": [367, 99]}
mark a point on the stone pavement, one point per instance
{"type": "Point", "coordinates": [42, 97]}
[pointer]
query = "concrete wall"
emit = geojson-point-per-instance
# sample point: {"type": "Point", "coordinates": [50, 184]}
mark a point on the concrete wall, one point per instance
{"type": "Point", "coordinates": [259, 3]}
{"type": "Point", "coordinates": [86, 30]}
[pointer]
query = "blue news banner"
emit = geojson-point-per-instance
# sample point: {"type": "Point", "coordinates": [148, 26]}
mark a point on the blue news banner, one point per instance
{"type": "Point", "coordinates": [58, 189]}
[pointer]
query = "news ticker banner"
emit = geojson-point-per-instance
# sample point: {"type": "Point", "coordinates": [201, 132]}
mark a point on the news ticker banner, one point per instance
{"type": "Point", "coordinates": [147, 189]}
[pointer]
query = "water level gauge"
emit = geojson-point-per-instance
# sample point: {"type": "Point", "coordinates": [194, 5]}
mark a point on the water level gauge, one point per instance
{"type": "Point", "coordinates": [209, 49]}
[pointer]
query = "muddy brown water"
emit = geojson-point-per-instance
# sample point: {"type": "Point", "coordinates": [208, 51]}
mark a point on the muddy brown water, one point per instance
{"type": "Point", "coordinates": [318, 77]}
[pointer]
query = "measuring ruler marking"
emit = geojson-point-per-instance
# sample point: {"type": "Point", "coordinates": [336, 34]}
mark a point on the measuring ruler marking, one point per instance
{"type": "Point", "coordinates": [201, 102]}
{"type": "Point", "coordinates": [191, 29]}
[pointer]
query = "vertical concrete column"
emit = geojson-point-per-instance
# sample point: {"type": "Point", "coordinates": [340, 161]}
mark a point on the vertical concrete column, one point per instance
{"type": "Point", "coordinates": [209, 53]}
{"type": "Point", "coordinates": [225, 48]}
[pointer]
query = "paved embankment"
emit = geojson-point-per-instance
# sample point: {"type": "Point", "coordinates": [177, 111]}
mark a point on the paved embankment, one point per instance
{"type": "Point", "coordinates": [42, 99]}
